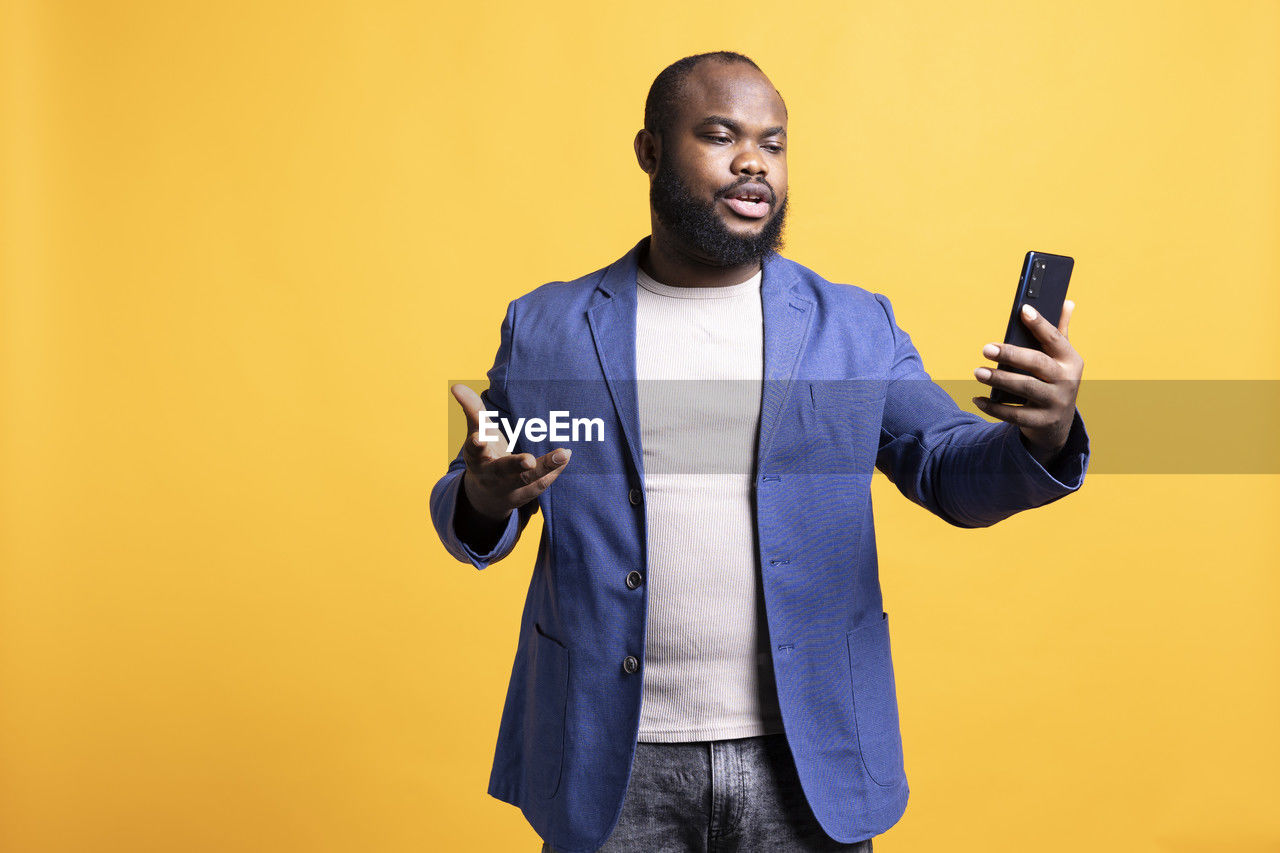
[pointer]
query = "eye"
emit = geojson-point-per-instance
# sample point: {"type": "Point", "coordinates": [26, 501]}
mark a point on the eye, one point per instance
{"type": "Point", "coordinates": [775, 147]}
{"type": "Point", "coordinates": [717, 137]}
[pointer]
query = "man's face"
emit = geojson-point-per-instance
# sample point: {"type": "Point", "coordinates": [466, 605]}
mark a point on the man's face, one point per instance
{"type": "Point", "coordinates": [720, 186]}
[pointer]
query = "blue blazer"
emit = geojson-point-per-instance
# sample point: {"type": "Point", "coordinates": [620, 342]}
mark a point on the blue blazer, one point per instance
{"type": "Point", "coordinates": [844, 393]}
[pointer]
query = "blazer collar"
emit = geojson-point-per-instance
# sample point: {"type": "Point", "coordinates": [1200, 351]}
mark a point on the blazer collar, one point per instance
{"type": "Point", "coordinates": [612, 318]}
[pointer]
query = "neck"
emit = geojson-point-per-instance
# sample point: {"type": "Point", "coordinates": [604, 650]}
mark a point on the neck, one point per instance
{"type": "Point", "coordinates": [672, 263]}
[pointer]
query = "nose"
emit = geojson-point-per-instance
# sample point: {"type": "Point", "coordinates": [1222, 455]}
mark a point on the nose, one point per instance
{"type": "Point", "coordinates": [749, 162]}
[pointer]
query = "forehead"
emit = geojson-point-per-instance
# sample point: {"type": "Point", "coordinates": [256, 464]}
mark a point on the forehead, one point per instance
{"type": "Point", "coordinates": [734, 90]}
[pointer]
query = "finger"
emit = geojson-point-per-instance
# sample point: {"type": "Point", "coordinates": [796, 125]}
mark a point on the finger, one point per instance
{"type": "Point", "coordinates": [549, 462]}
{"type": "Point", "coordinates": [476, 443]}
{"type": "Point", "coordinates": [477, 452]}
{"type": "Point", "coordinates": [1065, 320]}
{"type": "Point", "coordinates": [540, 485]}
{"type": "Point", "coordinates": [523, 469]}
{"type": "Point", "coordinates": [511, 467]}
{"type": "Point", "coordinates": [1023, 416]}
{"type": "Point", "coordinates": [1031, 360]}
{"type": "Point", "coordinates": [1034, 391]}
{"type": "Point", "coordinates": [471, 404]}
{"type": "Point", "coordinates": [1053, 341]}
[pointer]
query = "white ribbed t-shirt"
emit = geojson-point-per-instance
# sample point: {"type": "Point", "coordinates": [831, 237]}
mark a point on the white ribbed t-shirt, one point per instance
{"type": "Point", "coordinates": [700, 363]}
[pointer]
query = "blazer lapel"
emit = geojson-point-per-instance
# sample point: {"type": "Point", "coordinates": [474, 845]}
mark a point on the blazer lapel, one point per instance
{"type": "Point", "coordinates": [613, 329]}
{"type": "Point", "coordinates": [786, 323]}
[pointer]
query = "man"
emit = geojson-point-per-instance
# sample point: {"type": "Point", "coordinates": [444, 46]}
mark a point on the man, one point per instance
{"type": "Point", "coordinates": [703, 660]}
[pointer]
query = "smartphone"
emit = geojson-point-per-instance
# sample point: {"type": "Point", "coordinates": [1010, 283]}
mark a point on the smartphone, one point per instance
{"type": "Point", "coordinates": [1043, 286]}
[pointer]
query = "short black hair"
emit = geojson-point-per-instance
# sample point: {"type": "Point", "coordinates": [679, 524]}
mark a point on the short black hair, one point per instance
{"type": "Point", "coordinates": [661, 105]}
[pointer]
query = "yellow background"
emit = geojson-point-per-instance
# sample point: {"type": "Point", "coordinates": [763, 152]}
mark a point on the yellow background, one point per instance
{"type": "Point", "coordinates": [245, 245]}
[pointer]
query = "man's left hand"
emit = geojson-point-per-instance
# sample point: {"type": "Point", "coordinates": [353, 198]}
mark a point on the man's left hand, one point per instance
{"type": "Point", "coordinates": [1050, 389]}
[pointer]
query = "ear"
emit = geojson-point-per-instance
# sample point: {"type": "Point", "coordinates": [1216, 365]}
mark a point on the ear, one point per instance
{"type": "Point", "coordinates": [648, 150]}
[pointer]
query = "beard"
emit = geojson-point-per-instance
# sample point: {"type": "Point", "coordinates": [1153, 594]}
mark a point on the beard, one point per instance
{"type": "Point", "coordinates": [696, 223]}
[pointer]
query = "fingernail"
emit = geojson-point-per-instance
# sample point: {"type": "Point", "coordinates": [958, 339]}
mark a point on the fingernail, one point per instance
{"type": "Point", "coordinates": [560, 456]}
{"type": "Point", "coordinates": [991, 350]}
{"type": "Point", "coordinates": [1029, 311]}
{"type": "Point", "coordinates": [982, 373]}
{"type": "Point", "coordinates": [977, 401]}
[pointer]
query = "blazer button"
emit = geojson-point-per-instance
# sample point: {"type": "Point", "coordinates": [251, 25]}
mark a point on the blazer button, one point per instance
{"type": "Point", "coordinates": [634, 579]}
{"type": "Point", "coordinates": [635, 496]}
{"type": "Point", "coordinates": [630, 664]}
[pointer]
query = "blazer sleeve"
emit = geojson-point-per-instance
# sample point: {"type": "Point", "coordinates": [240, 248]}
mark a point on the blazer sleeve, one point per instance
{"type": "Point", "coordinates": [968, 471]}
{"type": "Point", "coordinates": [444, 497]}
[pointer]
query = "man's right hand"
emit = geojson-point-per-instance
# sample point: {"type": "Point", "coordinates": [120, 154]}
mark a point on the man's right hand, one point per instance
{"type": "Point", "coordinates": [497, 482]}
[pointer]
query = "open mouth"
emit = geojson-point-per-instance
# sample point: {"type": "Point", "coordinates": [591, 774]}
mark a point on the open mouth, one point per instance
{"type": "Point", "coordinates": [751, 201]}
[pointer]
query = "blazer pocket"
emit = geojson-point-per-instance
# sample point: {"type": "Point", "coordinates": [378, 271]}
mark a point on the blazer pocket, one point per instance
{"type": "Point", "coordinates": [875, 702]}
{"type": "Point", "coordinates": [843, 432]}
{"type": "Point", "coordinates": [544, 714]}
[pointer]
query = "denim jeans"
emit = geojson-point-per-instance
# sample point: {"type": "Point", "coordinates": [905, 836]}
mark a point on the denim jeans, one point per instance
{"type": "Point", "coordinates": [724, 796]}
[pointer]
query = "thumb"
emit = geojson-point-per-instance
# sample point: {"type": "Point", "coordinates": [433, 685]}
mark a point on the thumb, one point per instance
{"type": "Point", "coordinates": [471, 405]}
